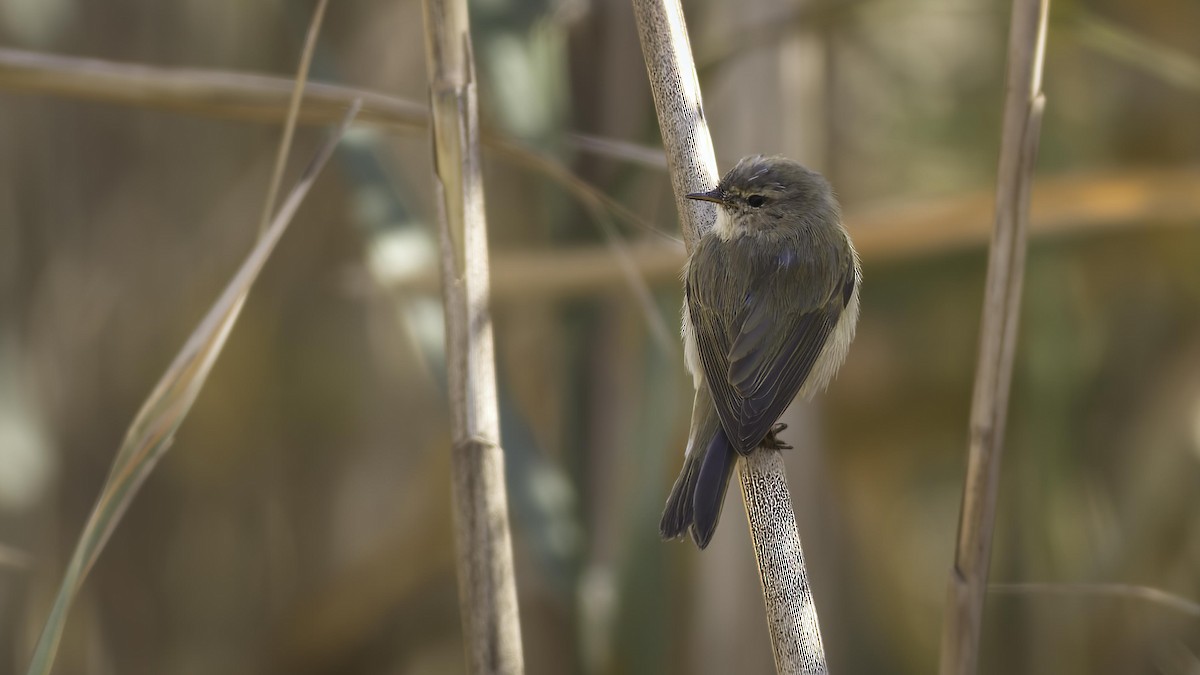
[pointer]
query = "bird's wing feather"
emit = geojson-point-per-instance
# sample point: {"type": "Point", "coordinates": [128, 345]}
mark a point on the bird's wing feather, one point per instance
{"type": "Point", "coordinates": [756, 355]}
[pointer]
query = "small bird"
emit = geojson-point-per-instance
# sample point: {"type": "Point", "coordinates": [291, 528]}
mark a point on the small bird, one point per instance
{"type": "Point", "coordinates": [770, 306]}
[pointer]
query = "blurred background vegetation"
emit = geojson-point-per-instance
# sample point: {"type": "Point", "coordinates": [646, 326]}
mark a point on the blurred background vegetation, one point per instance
{"type": "Point", "coordinates": [301, 522]}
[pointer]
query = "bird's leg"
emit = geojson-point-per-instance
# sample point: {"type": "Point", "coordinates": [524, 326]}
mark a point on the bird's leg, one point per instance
{"type": "Point", "coordinates": [772, 442]}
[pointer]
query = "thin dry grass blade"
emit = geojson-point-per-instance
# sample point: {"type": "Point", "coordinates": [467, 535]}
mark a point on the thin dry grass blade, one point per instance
{"type": "Point", "coordinates": [1155, 596]}
{"type": "Point", "coordinates": [1173, 66]}
{"type": "Point", "coordinates": [154, 427]}
{"type": "Point", "coordinates": [289, 127]}
{"type": "Point", "coordinates": [599, 205]}
{"type": "Point", "coordinates": [614, 148]}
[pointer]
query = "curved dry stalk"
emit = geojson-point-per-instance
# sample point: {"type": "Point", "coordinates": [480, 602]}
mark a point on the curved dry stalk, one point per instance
{"type": "Point", "coordinates": [197, 91]}
{"type": "Point", "coordinates": [791, 611]}
{"type": "Point", "coordinates": [486, 584]}
{"type": "Point", "coordinates": [1023, 107]}
{"type": "Point", "coordinates": [153, 430]}
{"type": "Point", "coordinates": [264, 98]}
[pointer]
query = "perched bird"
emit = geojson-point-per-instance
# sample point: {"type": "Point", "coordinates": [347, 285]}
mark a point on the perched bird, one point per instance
{"type": "Point", "coordinates": [771, 301]}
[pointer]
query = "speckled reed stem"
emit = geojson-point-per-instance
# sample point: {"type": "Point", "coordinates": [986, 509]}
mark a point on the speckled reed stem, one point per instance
{"type": "Point", "coordinates": [791, 612]}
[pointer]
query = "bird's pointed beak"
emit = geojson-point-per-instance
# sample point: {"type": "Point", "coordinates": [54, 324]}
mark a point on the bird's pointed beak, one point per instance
{"type": "Point", "coordinates": [714, 195]}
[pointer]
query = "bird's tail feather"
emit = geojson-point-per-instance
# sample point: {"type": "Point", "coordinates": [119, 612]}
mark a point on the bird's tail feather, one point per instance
{"type": "Point", "coordinates": [677, 516]}
{"type": "Point", "coordinates": [699, 492]}
{"type": "Point", "coordinates": [711, 484]}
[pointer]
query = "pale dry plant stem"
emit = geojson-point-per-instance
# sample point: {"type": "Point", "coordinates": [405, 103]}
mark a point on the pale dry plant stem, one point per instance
{"type": "Point", "coordinates": [791, 610]}
{"type": "Point", "coordinates": [260, 98]}
{"type": "Point", "coordinates": [1023, 107]}
{"type": "Point", "coordinates": [486, 584]}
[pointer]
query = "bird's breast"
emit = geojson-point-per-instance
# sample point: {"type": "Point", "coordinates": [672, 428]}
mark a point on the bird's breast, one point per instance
{"type": "Point", "coordinates": [691, 353]}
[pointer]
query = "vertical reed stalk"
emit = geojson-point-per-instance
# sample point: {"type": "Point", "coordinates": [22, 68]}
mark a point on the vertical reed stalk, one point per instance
{"type": "Point", "coordinates": [487, 589]}
{"type": "Point", "coordinates": [1023, 107]}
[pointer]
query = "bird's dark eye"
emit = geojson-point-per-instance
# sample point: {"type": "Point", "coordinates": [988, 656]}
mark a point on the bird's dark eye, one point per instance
{"type": "Point", "coordinates": [756, 200]}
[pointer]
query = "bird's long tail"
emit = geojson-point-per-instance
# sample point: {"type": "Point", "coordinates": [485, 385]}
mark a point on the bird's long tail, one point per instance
{"type": "Point", "coordinates": [699, 492]}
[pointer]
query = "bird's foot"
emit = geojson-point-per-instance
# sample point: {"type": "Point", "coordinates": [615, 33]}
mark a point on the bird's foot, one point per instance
{"type": "Point", "coordinates": [772, 442]}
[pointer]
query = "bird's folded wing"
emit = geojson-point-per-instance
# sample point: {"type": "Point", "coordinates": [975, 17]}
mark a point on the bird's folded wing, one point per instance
{"type": "Point", "coordinates": [756, 361]}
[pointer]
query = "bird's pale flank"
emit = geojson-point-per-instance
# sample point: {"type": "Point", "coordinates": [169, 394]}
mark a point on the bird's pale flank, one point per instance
{"type": "Point", "coordinates": [771, 301]}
